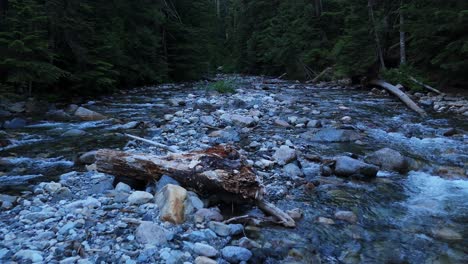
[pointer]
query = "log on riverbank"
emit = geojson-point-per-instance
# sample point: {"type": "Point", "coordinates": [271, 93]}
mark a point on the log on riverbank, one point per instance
{"type": "Point", "coordinates": [400, 94]}
{"type": "Point", "coordinates": [219, 171]}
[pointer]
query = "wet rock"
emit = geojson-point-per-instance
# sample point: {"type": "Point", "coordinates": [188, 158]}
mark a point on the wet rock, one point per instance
{"type": "Point", "coordinates": [88, 115]}
{"type": "Point", "coordinates": [170, 201]}
{"type": "Point", "coordinates": [291, 170]}
{"type": "Point", "coordinates": [219, 228]}
{"type": "Point", "coordinates": [205, 250]}
{"type": "Point", "coordinates": [240, 120]}
{"type": "Point", "coordinates": [88, 157]}
{"type": "Point", "coordinates": [5, 254]}
{"type": "Point", "coordinates": [346, 216]}
{"type": "Point", "coordinates": [165, 180]}
{"type": "Point", "coordinates": [168, 117]}
{"type": "Point", "coordinates": [208, 214]}
{"type": "Point", "coordinates": [281, 123]}
{"type": "Point", "coordinates": [18, 107]}
{"type": "Point", "coordinates": [52, 187]}
{"type": "Point", "coordinates": [332, 135]}
{"type": "Point", "coordinates": [225, 135]}
{"type": "Point", "coordinates": [204, 260]}
{"type": "Point", "coordinates": [346, 166]}
{"type": "Point", "coordinates": [15, 123]}
{"type": "Point", "coordinates": [295, 213]}
{"type": "Point", "coordinates": [7, 201]}
{"type": "Point", "coordinates": [450, 132]}
{"type": "Point", "coordinates": [446, 233]}
{"type": "Point", "coordinates": [140, 197]}
{"type": "Point", "coordinates": [177, 102]}
{"type": "Point", "coordinates": [31, 255]}
{"type": "Point", "coordinates": [200, 235]}
{"type": "Point", "coordinates": [248, 243]}
{"type": "Point", "coordinates": [192, 204]}
{"type": "Point", "coordinates": [74, 133]}
{"type": "Point", "coordinates": [346, 119]}
{"type": "Point", "coordinates": [209, 120]}
{"type": "Point", "coordinates": [284, 155]}
{"type": "Point", "coordinates": [122, 187]}
{"type": "Point", "coordinates": [152, 233]}
{"type": "Point", "coordinates": [314, 124]}
{"type": "Point", "coordinates": [236, 254]}
{"type": "Point", "coordinates": [60, 115]}
{"type": "Point", "coordinates": [4, 113]}
{"type": "Point", "coordinates": [388, 159]}
{"type": "Point", "coordinates": [325, 220]}
{"type": "Point", "coordinates": [89, 202]}
{"type": "Point", "coordinates": [264, 163]}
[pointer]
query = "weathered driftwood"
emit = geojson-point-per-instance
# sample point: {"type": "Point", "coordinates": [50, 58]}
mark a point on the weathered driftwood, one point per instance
{"type": "Point", "coordinates": [219, 170]}
{"type": "Point", "coordinates": [154, 143]}
{"type": "Point", "coordinates": [427, 87]}
{"type": "Point", "coordinates": [321, 74]}
{"type": "Point", "coordinates": [400, 94]}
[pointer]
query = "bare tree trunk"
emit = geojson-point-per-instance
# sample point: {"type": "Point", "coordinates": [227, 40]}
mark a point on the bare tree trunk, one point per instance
{"type": "Point", "coordinates": [400, 94]}
{"type": "Point", "coordinates": [402, 37]}
{"type": "Point", "coordinates": [318, 8]}
{"type": "Point", "coordinates": [376, 35]}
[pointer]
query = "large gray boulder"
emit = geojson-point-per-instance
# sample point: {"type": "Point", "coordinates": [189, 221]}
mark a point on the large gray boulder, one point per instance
{"type": "Point", "coordinates": [346, 166]}
{"type": "Point", "coordinates": [332, 135]}
{"type": "Point", "coordinates": [389, 160]}
{"type": "Point", "coordinates": [88, 115]}
{"type": "Point", "coordinates": [284, 155]}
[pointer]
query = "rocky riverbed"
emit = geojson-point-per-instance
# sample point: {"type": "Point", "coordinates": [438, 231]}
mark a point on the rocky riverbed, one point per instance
{"type": "Point", "coordinates": [367, 180]}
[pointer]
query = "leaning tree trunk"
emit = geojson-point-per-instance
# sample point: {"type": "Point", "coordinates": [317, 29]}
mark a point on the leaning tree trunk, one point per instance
{"type": "Point", "coordinates": [376, 35]}
{"type": "Point", "coordinates": [400, 94]}
{"type": "Point", "coordinates": [402, 36]}
{"type": "Point", "coordinates": [219, 171]}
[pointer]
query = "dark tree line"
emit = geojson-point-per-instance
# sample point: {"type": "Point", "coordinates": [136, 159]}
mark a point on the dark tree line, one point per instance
{"type": "Point", "coordinates": [92, 46]}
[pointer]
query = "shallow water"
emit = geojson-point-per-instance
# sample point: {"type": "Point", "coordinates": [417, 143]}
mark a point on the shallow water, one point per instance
{"type": "Point", "coordinates": [400, 217]}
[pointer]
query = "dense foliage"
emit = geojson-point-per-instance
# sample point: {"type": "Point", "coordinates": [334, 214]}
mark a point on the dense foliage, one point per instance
{"type": "Point", "coordinates": [92, 46]}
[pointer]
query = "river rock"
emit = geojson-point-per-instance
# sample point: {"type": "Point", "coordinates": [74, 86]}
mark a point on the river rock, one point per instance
{"type": "Point", "coordinates": [7, 201]}
{"type": "Point", "coordinates": [165, 180]}
{"type": "Point", "coordinates": [88, 115]}
{"type": "Point", "coordinates": [446, 233]}
{"type": "Point", "coordinates": [208, 214]}
{"type": "Point", "coordinates": [15, 123]}
{"type": "Point", "coordinates": [295, 213]}
{"type": "Point", "coordinates": [450, 132]}
{"type": "Point", "coordinates": [219, 228]}
{"type": "Point", "coordinates": [17, 107]}
{"type": "Point", "coordinates": [281, 123]}
{"type": "Point", "coordinates": [205, 260]}
{"type": "Point", "coordinates": [235, 254]}
{"type": "Point", "coordinates": [88, 157]}
{"type": "Point", "coordinates": [151, 233]}
{"type": "Point", "coordinates": [89, 202]}
{"type": "Point", "coordinates": [291, 170]}
{"type": "Point", "coordinates": [284, 155]}
{"type": "Point", "coordinates": [209, 120]}
{"type": "Point", "coordinates": [314, 123]}
{"type": "Point", "coordinates": [122, 187]}
{"type": "Point", "coordinates": [388, 159]}
{"type": "Point", "coordinates": [60, 115]}
{"type": "Point", "coordinates": [74, 133]}
{"type": "Point", "coordinates": [140, 197]}
{"type": "Point", "coordinates": [205, 250]}
{"type": "Point", "coordinates": [332, 135]}
{"type": "Point", "coordinates": [325, 220]}
{"type": "Point", "coordinates": [170, 201]}
{"type": "Point", "coordinates": [32, 255]}
{"type": "Point", "coordinates": [346, 216]}
{"type": "Point", "coordinates": [241, 120]}
{"type": "Point", "coordinates": [346, 166]}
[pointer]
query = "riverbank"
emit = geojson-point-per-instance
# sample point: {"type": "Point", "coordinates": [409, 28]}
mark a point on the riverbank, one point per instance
{"type": "Point", "coordinates": [297, 137]}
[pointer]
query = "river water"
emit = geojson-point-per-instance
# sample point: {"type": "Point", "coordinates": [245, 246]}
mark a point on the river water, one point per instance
{"type": "Point", "coordinates": [418, 217]}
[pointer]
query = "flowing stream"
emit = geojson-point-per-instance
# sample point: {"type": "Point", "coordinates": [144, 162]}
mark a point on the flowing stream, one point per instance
{"type": "Point", "coordinates": [418, 217]}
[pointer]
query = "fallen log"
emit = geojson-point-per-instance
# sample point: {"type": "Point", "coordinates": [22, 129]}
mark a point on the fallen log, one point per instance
{"type": "Point", "coordinates": [321, 74]}
{"type": "Point", "coordinates": [219, 170]}
{"type": "Point", "coordinates": [400, 94]}
{"type": "Point", "coordinates": [173, 149]}
{"type": "Point", "coordinates": [427, 87]}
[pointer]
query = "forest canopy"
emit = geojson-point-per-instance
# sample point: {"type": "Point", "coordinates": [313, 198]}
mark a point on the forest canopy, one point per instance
{"type": "Point", "coordinates": [86, 46]}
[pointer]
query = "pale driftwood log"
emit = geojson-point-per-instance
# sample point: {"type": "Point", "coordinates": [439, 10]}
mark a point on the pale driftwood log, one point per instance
{"type": "Point", "coordinates": [321, 74]}
{"type": "Point", "coordinates": [427, 87]}
{"type": "Point", "coordinates": [154, 143]}
{"type": "Point", "coordinates": [271, 209]}
{"type": "Point", "coordinates": [219, 171]}
{"type": "Point", "coordinates": [400, 94]}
